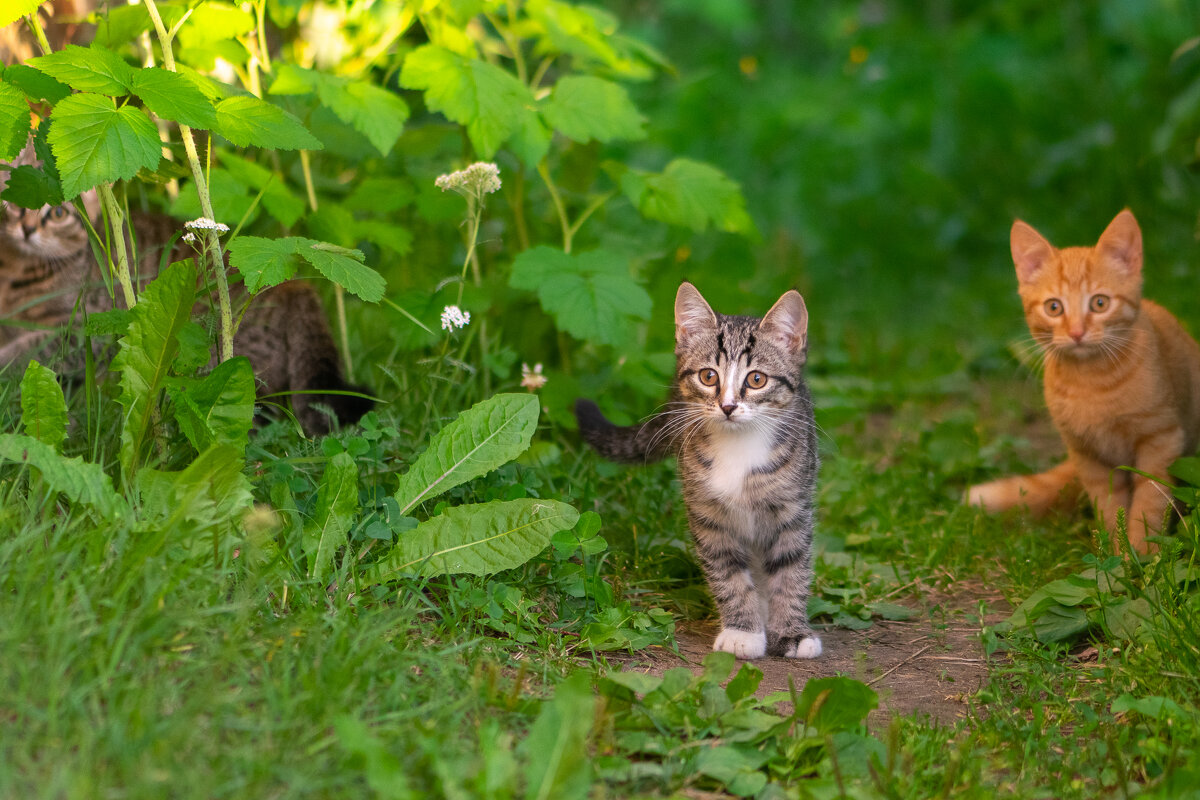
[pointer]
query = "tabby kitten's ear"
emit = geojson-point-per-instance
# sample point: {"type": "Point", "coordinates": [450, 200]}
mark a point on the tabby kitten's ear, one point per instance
{"type": "Point", "coordinates": [1030, 251]}
{"type": "Point", "coordinates": [787, 323]}
{"type": "Point", "coordinates": [693, 316]}
{"type": "Point", "coordinates": [1121, 243]}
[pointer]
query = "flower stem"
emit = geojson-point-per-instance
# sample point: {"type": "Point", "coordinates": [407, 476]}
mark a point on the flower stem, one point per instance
{"type": "Point", "coordinates": [116, 223]}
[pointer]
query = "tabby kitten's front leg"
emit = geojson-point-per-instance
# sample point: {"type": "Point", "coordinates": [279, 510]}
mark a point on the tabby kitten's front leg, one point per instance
{"type": "Point", "coordinates": [787, 569]}
{"type": "Point", "coordinates": [726, 565]}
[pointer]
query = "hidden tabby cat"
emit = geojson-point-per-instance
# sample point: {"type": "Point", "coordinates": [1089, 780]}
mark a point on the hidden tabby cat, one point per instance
{"type": "Point", "coordinates": [47, 271]}
{"type": "Point", "coordinates": [1122, 381]}
{"type": "Point", "coordinates": [740, 420]}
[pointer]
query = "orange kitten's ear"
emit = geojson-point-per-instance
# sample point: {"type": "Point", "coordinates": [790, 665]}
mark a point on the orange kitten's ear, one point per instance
{"type": "Point", "coordinates": [1121, 243]}
{"type": "Point", "coordinates": [693, 315]}
{"type": "Point", "coordinates": [1030, 250]}
{"type": "Point", "coordinates": [787, 322]}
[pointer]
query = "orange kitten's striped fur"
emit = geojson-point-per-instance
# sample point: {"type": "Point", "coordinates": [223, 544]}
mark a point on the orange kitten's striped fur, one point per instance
{"type": "Point", "coordinates": [1122, 379]}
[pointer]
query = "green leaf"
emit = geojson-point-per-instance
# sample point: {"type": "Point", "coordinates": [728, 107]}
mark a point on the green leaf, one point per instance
{"type": "Point", "coordinates": [36, 85]}
{"type": "Point", "coordinates": [744, 684]}
{"type": "Point", "coordinates": [31, 187]}
{"type": "Point", "coordinates": [476, 539]}
{"type": "Point", "coordinates": [285, 207]}
{"type": "Point", "coordinates": [835, 704]}
{"type": "Point", "coordinates": [345, 268]}
{"type": "Point", "coordinates": [591, 295]}
{"type": "Point", "coordinates": [218, 409]}
{"type": "Point", "coordinates": [247, 121]}
{"type": "Point", "coordinates": [557, 762]}
{"type": "Point", "coordinates": [87, 69]}
{"type": "Point", "coordinates": [210, 495]}
{"type": "Point", "coordinates": [147, 350]}
{"type": "Point", "coordinates": [214, 21]}
{"type": "Point", "coordinates": [584, 108]}
{"type": "Point", "coordinates": [736, 766]}
{"type": "Point", "coordinates": [81, 481]}
{"type": "Point", "coordinates": [337, 501]}
{"type": "Point", "coordinates": [689, 194]}
{"type": "Point", "coordinates": [172, 96]}
{"type": "Point", "coordinates": [95, 142]}
{"type": "Point", "coordinates": [385, 234]}
{"type": "Point", "coordinates": [380, 195]}
{"type": "Point", "coordinates": [291, 80]}
{"type": "Point", "coordinates": [263, 262]}
{"type": "Point", "coordinates": [490, 102]}
{"type": "Point", "coordinates": [384, 772]}
{"type": "Point", "coordinates": [13, 10]}
{"type": "Point", "coordinates": [1155, 707]}
{"type": "Point", "coordinates": [374, 112]}
{"type": "Point", "coordinates": [14, 121]}
{"type": "Point", "coordinates": [43, 407]}
{"type": "Point", "coordinates": [121, 24]}
{"type": "Point", "coordinates": [487, 435]}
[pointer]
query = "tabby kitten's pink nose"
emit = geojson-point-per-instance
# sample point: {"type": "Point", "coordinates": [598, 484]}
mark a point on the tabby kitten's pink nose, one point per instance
{"type": "Point", "coordinates": [729, 409]}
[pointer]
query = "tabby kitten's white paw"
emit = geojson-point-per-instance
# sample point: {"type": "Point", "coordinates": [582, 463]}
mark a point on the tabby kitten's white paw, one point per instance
{"type": "Point", "coordinates": [745, 645]}
{"type": "Point", "coordinates": [808, 647]}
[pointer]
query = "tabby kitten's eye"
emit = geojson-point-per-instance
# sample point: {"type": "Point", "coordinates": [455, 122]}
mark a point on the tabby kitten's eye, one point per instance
{"type": "Point", "coordinates": [1099, 302]}
{"type": "Point", "coordinates": [756, 380]}
{"type": "Point", "coordinates": [58, 212]}
{"type": "Point", "coordinates": [708, 377]}
{"type": "Point", "coordinates": [1054, 307]}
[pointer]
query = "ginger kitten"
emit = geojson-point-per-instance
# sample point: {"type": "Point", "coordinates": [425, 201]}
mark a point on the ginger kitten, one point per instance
{"type": "Point", "coordinates": [1122, 380]}
{"type": "Point", "coordinates": [741, 422]}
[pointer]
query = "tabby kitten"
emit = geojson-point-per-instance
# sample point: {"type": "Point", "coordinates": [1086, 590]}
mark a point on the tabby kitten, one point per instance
{"type": "Point", "coordinates": [740, 421]}
{"type": "Point", "coordinates": [1122, 380]}
{"type": "Point", "coordinates": [46, 262]}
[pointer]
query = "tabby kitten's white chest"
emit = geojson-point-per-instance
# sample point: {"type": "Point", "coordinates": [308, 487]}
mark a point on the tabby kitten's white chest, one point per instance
{"type": "Point", "coordinates": [735, 454]}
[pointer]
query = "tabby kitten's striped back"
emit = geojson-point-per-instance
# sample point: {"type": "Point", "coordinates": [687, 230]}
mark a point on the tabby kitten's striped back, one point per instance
{"type": "Point", "coordinates": [740, 420]}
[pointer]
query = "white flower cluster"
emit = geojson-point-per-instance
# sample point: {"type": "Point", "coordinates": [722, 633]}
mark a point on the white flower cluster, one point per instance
{"type": "Point", "coordinates": [206, 224]}
{"type": "Point", "coordinates": [454, 317]}
{"type": "Point", "coordinates": [478, 179]}
{"type": "Point", "coordinates": [188, 237]}
{"type": "Point", "coordinates": [532, 379]}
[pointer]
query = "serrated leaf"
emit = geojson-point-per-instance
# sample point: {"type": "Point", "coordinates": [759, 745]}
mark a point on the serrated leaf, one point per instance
{"type": "Point", "coordinates": [583, 108]}
{"type": "Point", "coordinates": [337, 501]}
{"type": "Point", "coordinates": [147, 351]}
{"type": "Point", "coordinates": [172, 96]}
{"type": "Point", "coordinates": [349, 273]}
{"type": "Point", "coordinates": [486, 436]}
{"type": "Point", "coordinates": [43, 407]}
{"type": "Point", "coordinates": [218, 409]}
{"type": "Point", "coordinates": [87, 69]}
{"type": "Point", "coordinates": [263, 262]}
{"type": "Point", "coordinates": [210, 494]}
{"type": "Point", "coordinates": [36, 85]}
{"type": "Point", "coordinates": [95, 142]}
{"type": "Point", "coordinates": [30, 187]}
{"type": "Point", "coordinates": [483, 97]}
{"type": "Point", "coordinates": [374, 112]}
{"type": "Point", "coordinates": [591, 295]}
{"type": "Point", "coordinates": [291, 80]}
{"type": "Point", "coordinates": [13, 10]}
{"type": "Point", "coordinates": [478, 539]}
{"type": "Point", "coordinates": [557, 760]}
{"type": "Point", "coordinates": [80, 481]}
{"type": "Point", "coordinates": [246, 121]}
{"type": "Point", "coordinates": [689, 194]}
{"type": "Point", "coordinates": [108, 323]}
{"type": "Point", "coordinates": [14, 121]}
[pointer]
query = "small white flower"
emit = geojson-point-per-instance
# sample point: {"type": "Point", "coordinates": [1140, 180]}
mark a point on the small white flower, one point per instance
{"type": "Point", "coordinates": [206, 224]}
{"type": "Point", "coordinates": [454, 317]}
{"type": "Point", "coordinates": [188, 237]}
{"type": "Point", "coordinates": [478, 179]}
{"type": "Point", "coordinates": [532, 379]}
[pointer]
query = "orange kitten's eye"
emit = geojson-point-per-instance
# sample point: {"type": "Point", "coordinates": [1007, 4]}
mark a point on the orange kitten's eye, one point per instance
{"type": "Point", "coordinates": [1054, 307]}
{"type": "Point", "coordinates": [708, 377]}
{"type": "Point", "coordinates": [1099, 302]}
{"type": "Point", "coordinates": [756, 380]}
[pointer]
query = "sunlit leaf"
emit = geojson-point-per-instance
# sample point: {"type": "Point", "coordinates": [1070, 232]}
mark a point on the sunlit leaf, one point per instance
{"type": "Point", "coordinates": [13, 10]}
{"type": "Point", "coordinates": [87, 69]}
{"type": "Point", "coordinates": [43, 408]}
{"type": "Point", "coordinates": [172, 96]}
{"type": "Point", "coordinates": [583, 108]}
{"type": "Point", "coordinates": [689, 194]}
{"type": "Point", "coordinates": [246, 121]}
{"type": "Point", "coordinates": [95, 142]}
{"type": "Point", "coordinates": [14, 122]}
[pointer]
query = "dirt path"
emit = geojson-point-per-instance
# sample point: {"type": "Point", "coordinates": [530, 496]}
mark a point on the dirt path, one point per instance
{"type": "Point", "coordinates": [926, 665]}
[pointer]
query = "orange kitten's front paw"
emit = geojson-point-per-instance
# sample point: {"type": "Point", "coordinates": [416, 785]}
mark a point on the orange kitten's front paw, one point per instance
{"type": "Point", "coordinates": [985, 496]}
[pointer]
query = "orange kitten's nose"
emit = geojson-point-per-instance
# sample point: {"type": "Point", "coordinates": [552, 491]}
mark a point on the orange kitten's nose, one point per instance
{"type": "Point", "coordinates": [729, 408]}
{"type": "Point", "coordinates": [1077, 335]}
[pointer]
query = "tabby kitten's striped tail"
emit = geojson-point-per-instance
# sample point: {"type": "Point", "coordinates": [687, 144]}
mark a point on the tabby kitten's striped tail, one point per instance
{"type": "Point", "coordinates": [631, 444]}
{"type": "Point", "coordinates": [1039, 493]}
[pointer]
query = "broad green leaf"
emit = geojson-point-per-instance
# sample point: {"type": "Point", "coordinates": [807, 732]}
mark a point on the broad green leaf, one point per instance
{"type": "Point", "coordinates": [280, 202]}
{"type": "Point", "coordinates": [836, 704]}
{"type": "Point", "coordinates": [95, 142]}
{"type": "Point", "coordinates": [246, 121]}
{"type": "Point", "coordinates": [591, 295]}
{"type": "Point", "coordinates": [121, 24]}
{"type": "Point", "coordinates": [80, 481]}
{"type": "Point", "coordinates": [337, 501]}
{"type": "Point", "coordinates": [210, 495]}
{"type": "Point", "coordinates": [147, 350]}
{"type": "Point", "coordinates": [345, 270]}
{"type": "Point", "coordinates": [689, 194]}
{"type": "Point", "coordinates": [43, 407]}
{"type": "Point", "coordinates": [558, 764]}
{"type": "Point", "coordinates": [172, 96]}
{"type": "Point", "coordinates": [36, 85]}
{"type": "Point", "coordinates": [486, 436]}
{"type": "Point", "coordinates": [87, 69]}
{"type": "Point", "coordinates": [1154, 706]}
{"type": "Point", "coordinates": [584, 108]}
{"type": "Point", "coordinates": [13, 10]}
{"type": "Point", "coordinates": [477, 539]}
{"type": "Point", "coordinates": [735, 766]}
{"type": "Point", "coordinates": [14, 122]}
{"type": "Point", "coordinates": [744, 684]}
{"type": "Point", "coordinates": [31, 187]}
{"type": "Point", "coordinates": [263, 262]}
{"type": "Point", "coordinates": [291, 79]}
{"type": "Point", "coordinates": [219, 408]}
{"type": "Point", "coordinates": [214, 21]}
{"type": "Point", "coordinates": [483, 97]}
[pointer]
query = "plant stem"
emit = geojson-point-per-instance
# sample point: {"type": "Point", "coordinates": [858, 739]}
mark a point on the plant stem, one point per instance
{"type": "Point", "coordinates": [563, 220]}
{"type": "Point", "coordinates": [116, 223]}
{"type": "Point", "coordinates": [36, 25]}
